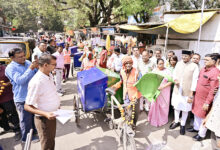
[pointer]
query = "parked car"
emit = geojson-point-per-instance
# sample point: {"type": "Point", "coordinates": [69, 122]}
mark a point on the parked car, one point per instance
{"type": "Point", "coordinates": [6, 44]}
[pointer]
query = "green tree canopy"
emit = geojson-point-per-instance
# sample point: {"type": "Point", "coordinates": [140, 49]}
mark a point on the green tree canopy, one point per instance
{"type": "Point", "coordinates": [140, 9]}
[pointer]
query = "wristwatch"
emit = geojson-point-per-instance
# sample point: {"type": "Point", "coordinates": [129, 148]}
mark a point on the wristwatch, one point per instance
{"type": "Point", "coordinates": [207, 105]}
{"type": "Point", "coordinates": [191, 97]}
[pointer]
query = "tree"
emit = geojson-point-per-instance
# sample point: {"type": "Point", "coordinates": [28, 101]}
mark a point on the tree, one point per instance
{"type": "Point", "coordinates": [25, 14]}
{"type": "Point", "coordinates": [194, 4]}
{"type": "Point", "coordinates": [140, 9]}
{"type": "Point", "coordinates": [95, 11]}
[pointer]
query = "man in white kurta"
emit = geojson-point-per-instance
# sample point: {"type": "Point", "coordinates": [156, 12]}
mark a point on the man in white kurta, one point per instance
{"type": "Point", "coordinates": [145, 66]}
{"type": "Point", "coordinates": [185, 76]}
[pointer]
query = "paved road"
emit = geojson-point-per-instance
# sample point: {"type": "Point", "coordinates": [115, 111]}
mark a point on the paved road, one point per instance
{"type": "Point", "coordinates": [94, 134]}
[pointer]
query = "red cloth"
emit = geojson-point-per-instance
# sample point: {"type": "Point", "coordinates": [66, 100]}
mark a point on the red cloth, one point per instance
{"type": "Point", "coordinates": [207, 82]}
{"type": "Point", "coordinates": [90, 64]}
{"type": "Point", "coordinates": [7, 94]}
{"type": "Point", "coordinates": [127, 59]}
{"type": "Point", "coordinates": [103, 59]}
{"type": "Point", "coordinates": [112, 47]}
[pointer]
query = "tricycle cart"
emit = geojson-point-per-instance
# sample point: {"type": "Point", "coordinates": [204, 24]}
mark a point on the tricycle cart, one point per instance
{"type": "Point", "coordinates": [91, 85]}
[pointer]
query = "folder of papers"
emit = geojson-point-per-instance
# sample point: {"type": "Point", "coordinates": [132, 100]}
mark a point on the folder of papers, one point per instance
{"type": "Point", "coordinates": [63, 115]}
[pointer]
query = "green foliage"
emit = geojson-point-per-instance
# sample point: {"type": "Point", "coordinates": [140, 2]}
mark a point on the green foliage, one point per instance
{"type": "Point", "coordinates": [194, 4]}
{"type": "Point", "coordinates": [140, 9]}
{"type": "Point", "coordinates": [25, 15]}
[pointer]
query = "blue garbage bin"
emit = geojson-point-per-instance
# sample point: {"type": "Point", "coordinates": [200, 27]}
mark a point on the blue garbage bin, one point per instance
{"type": "Point", "coordinates": [61, 44]}
{"type": "Point", "coordinates": [76, 57]}
{"type": "Point", "coordinates": [74, 49]}
{"type": "Point", "coordinates": [91, 86]}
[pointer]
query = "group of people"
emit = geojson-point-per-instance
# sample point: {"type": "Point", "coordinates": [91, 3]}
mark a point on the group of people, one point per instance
{"type": "Point", "coordinates": [194, 89]}
{"type": "Point", "coordinates": [34, 88]}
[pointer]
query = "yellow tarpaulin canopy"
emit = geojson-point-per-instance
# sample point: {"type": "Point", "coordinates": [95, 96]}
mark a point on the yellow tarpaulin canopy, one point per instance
{"type": "Point", "coordinates": [185, 24]}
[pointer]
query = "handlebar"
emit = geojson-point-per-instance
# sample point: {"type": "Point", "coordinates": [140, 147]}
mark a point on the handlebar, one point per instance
{"type": "Point", "coordinates": [110, 91]}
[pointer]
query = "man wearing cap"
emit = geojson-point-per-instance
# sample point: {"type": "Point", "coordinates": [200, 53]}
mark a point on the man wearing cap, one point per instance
{"type": "Point", "coordinates": [185, 76]}
{"type": "Point", "coordinates": [129, 76]}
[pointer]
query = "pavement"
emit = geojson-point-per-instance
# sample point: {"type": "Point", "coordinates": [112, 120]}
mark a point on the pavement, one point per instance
{"type": "Point", "coordinates": [94, 133]}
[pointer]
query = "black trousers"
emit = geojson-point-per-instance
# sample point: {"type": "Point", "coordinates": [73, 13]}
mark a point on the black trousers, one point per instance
{"type": "Point", "coordinates": [9, 115]}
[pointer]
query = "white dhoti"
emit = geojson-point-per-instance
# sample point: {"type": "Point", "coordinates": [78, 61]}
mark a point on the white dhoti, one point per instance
{"type": "Point", "coordinates": [179, 102]}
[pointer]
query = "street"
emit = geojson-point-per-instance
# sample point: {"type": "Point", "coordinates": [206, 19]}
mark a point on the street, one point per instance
{"type": "Point", "coordinates": [94, 134]}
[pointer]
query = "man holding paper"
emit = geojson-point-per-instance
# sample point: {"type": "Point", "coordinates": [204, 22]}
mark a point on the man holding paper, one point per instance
{"type": "Point", "coordinates": [42, 100]}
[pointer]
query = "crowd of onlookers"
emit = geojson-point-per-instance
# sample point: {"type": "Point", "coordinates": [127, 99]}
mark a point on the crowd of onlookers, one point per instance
{"type": "Point", "coordinates": [193, 89]}
{"type": "Point", "coordinates": [35, 87]}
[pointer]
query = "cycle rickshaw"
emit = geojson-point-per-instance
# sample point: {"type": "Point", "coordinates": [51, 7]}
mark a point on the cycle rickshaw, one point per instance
{"type": "Point", "coordinates": [93, 95]}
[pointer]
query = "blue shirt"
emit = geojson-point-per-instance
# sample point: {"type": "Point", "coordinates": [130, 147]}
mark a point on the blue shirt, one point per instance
{"type": "Point", "coordinates": [19, 76]}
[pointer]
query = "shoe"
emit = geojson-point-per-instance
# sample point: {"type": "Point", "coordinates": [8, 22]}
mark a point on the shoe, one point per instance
{"type": "Point", "coordinates": [174, 125]}
{"type": "Point", "coordinates": [35, 139]}
{"type": "Point", "coordinates": [191, 129]}
{"type": "Point", "coordinates": [197, 138]}
{"type": "Point", "coordinates": [60, 94]}
{"type": "Point", "coordinates": [182, 130]}
{"type": "Point", "coordinates": [17, 136]}
{"type": "Point", "coordinates": [6, 131]}
{"type": "Point", "coordinates": [23, 142]}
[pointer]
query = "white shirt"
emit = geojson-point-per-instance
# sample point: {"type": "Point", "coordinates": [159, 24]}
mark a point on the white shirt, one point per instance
{"type": "Point", "coordinates": [110, 61]}
{"type": "Point", "coordinates": [60, 59]}
{"type": "Point", "coordinates": [38, 53]}
{"type": "Point", "coordinates": [136, 61]}
{"type": "Point", "coordinates": [117, 62]}
{"type": "Point", "coordinates": [146, 67]}
{"type": "Point", "coordinates": [42, 93]}
{"type": "Point", "coordinates": [154, 59]}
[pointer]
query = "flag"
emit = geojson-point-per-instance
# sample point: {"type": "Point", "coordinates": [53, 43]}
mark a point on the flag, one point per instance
{"type": "Point", "coordinates": [113, 78]}
{"type": "Point", "coordinates": [149, 83]}
{"type": "Point", "coordinates": [108, 43]}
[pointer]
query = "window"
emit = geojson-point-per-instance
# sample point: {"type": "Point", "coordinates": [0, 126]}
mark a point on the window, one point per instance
{"type": "Point", "coordinates": [6, 47]}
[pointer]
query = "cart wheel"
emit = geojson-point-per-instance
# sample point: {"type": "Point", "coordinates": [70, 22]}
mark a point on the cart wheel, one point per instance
{"type": "Point", "coordinates": [72, 70]}
{"type": "Point", "coordinates": [76, 109]}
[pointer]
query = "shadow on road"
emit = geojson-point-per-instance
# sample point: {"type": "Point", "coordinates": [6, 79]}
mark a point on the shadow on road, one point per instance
{"type": "Point", "coordinates": [9, 143]}
{"type": "Point", "coordinates": [102, 143]}
{"type": "Point", "coordinates": [88, 121]}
